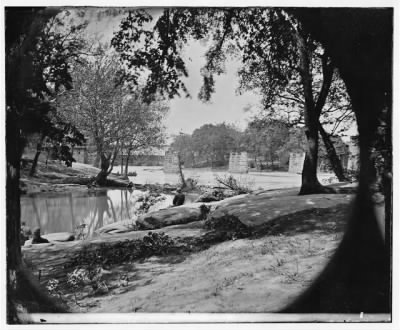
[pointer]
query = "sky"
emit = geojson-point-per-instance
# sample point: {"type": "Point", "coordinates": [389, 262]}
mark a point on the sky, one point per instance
{"type": "Point", "coordinates": [187, 114]}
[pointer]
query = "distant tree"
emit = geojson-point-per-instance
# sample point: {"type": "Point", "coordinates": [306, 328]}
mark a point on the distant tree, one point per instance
{"type": "Point", "coordinates": [213, 143]}
{"type": "Point", "coordinates": [183, 144]}
{"type": "Point", "coordinates": [141, 126]}
{"type": "Point", "coordinates": [265, 138]}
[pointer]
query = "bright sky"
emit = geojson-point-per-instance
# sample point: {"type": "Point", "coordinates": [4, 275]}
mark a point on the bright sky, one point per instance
{"type": "Point", "coordinates": [187, 114]}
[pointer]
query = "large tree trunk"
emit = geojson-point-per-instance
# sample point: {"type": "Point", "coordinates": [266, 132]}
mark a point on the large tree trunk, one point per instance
{"type": "Point", "coordinates": [309, 180]}
{"type": "Point", "coordinates": [36, 158]}
{"type": "Point", "coordinates": [101, 177]}
{"type": "Point", "coordinates": [106, 167]}
{"type": "Point", "coordinates": [13, 211]}
{"type": "Point", "coordinates": [333, 157]}
{"type": "Point", "coordinates": [358, 277]}
{"type": "Point", "coordinates": [183, 182]}
{"type": "Point", "coordinates": [128, 155]}
{"type": "Point", "coordinates": [99, 153]}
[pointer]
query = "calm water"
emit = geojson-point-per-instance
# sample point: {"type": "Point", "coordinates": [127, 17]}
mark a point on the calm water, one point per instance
{"type": "Point", "coordinates": [64, 212]}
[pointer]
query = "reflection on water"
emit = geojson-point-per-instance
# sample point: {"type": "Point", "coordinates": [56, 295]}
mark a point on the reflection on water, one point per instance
{"type": "Point", "coordinates": [65, 212]}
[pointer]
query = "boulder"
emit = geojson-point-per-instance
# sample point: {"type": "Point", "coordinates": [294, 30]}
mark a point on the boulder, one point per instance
{"type": "Point", "coordinates": [117, 227]}
{"type": "Point", "coordinates": [53, 237]}
{"type": "Point", "coordinates": [256, 210]}
{"type": "Point", "coordinates": [60, 237]}
{"type": "Point", "coordinates": [171, 216]}
{"type": "Point", "coordinates": [215, 195]}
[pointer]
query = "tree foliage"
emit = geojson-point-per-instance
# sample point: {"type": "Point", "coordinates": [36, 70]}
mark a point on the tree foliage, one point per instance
{"type": "Point", "coordinates": [208, 145]}
{"type": "Point", "coordinates": [113, 116]}
{"type": "Point", "coordinates": [269, 37]}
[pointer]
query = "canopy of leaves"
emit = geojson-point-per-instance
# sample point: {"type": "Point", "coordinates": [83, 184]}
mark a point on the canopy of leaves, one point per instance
{"type": "Point", "coordinates": [111, 114]}
{"type": "Point", "coordinates": [37, 68]}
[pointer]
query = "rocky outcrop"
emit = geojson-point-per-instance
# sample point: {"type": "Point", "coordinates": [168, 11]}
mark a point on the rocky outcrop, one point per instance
{"type": "Point", "coordinates": [170, 216]}
{"type": "Point", "coordinates": [214, 195]}
{"type": "Point", "coordinates": [256, 210]}
{"type": "Point", "coordinates": [55, 237]}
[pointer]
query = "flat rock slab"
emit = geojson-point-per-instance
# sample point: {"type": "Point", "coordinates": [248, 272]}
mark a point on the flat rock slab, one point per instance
{"type": "Point", "coordinates": [168, 217]}
{"type": "Point", "coordinates": [57, 237]}
{"type": "Point", "coordinates": [193, 229]}
{"type": "Point", "coordinates": [256, 210]}
{"type": "Point", "coordinates": [60, 237]}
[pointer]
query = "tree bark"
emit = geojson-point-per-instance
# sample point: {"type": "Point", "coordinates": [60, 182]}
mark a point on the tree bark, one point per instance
{"type": "Point", "coordinates": [309, 180]}
{"type": "Point", "coordinates": [36, 158]}
{"type": "Point", "coordinates": [13, 211]}
{"type": "Point", "coordinates": [128, 155]}
{"type": "Point", "coordinates": [183, 182]}
{"type": "Point", "coordinates": [332, 155]}
{"type": "Point", "coordinates": [101, 177]}
{"type": "Point", "coordinates": [358, 277]}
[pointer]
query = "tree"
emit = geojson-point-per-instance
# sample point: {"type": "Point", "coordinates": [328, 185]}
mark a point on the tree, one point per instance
{"type": "Point", "coordinates": [183, 144]}
{"type": "Point", "coordinates": [95, 101]}
{"type": "Point", "coordinates": [26, 101]}
{"type": "Point", "coordinates": [288, 103]}
{"type": "Point", "coordinates": [213, 143]}
{"type": "Point", "coordinates": [358, 277]}
{"type": "Point", "coordinates": [271, 34]}
{"type": "Point", "coordinates": [112, 114]}
{"type": "Point", "coordinates": [142, 127]}
{"type": "Point", "coordinates": [59, 135]}
{"type": "Point", "coordinates": [266, 137]}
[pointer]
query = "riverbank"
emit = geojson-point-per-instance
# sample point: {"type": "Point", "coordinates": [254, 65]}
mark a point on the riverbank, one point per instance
{"type": "Point", "coordinates": [249, 253]}
{"type": "Point", "coordinates": [56, 177]}
{"type": "Point", "coordinates": [236, 260]}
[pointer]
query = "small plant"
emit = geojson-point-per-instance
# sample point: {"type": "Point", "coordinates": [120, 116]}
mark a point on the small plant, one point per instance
{"type": "Point", "coordinates": [147, 200]}
{"type": "Point", "coordinates": [81, 277]}
{"type": "Point", "coordinates": [205, 210]}
{"type": "Point", "coordinates": [132, 173]}
{"type": "Point", "coordinates": [234, 184]}
{"type": "Point", "coordinates": [53, 288]}
{"type": "Point", "coordinates": [81, 231]}
{"type": "Point", "coordinates": [191, 183]}
{"type": "Point", "coordinates": [280, 262]}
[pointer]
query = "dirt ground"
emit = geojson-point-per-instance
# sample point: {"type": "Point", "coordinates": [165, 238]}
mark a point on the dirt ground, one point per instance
{"type": "Point", "coordinates": [262, 273]}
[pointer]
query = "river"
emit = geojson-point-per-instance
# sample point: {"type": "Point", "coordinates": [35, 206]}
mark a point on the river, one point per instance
{"type": "Point", "coordinates": [65, 212]}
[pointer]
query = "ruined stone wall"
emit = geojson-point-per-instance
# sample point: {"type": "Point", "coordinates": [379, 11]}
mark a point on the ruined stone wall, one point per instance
{"type": "Point", "coordinates": [296, 162]}
{"type": "Point", "coordinates": [171, 162]}
{"type": "Point", "coordinates": [353, 163]}
{"type": "Point", "coordinates": [238, 162]}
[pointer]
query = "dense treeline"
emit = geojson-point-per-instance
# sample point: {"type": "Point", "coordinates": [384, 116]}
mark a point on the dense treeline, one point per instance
{"type": "Point", "coordinates": [268, 143]}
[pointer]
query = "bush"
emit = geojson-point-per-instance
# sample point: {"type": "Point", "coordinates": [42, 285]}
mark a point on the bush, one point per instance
{"type": "Point", "coordinates": [234, 184]}
{"type": "Point", "coordinates": [230, 225]}
{"type": "Point", "coordinates": [109, 254]}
